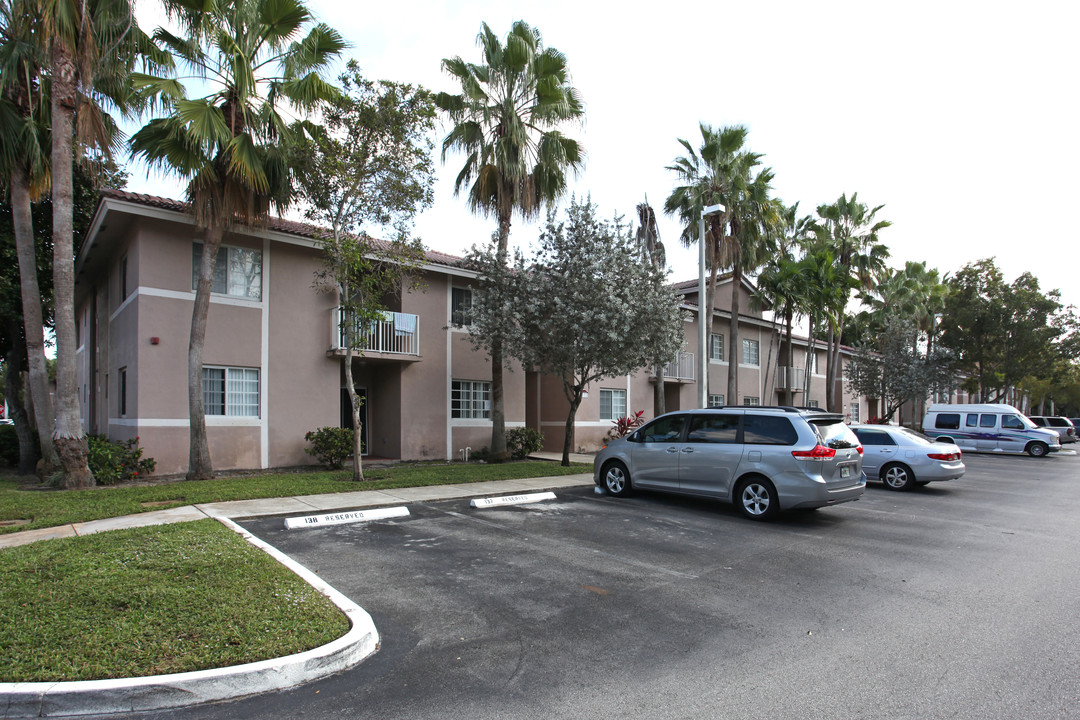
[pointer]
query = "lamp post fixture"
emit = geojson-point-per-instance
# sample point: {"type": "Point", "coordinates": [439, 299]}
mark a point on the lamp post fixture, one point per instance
{"type": "Point", "coordinates": [704, 323]}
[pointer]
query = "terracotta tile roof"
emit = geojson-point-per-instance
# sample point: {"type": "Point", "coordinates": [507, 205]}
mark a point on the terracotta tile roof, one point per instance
{"type": "Point", "coordinates": [291, 227]}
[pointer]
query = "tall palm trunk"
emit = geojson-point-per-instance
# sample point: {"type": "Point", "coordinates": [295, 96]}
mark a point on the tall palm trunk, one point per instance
{"type": "Point", "coordinates": [70, 440]}
{"type": "Point", "coordinates": [788, 321]}
{"type": "Point", "coordinates": [498, 412]}
{"type": "Point", "coordinates": [199, 465]}
{"type": "Point", "coordinates": [733, 361]}
{"type": "Point", "coordinates": [23, 223]}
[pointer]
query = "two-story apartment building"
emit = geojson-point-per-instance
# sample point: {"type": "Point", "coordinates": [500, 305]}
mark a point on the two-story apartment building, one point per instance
{"type": "Point", "coordinates": [272, 358]}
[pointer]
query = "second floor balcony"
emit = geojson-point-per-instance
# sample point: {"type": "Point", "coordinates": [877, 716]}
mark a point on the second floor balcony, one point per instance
{"type": "Point", "coordinates": [680, 369]}
{"type": "Point", "coordinates": [396, 334]}
{"type": "Point", "coordinates": [790, 378]}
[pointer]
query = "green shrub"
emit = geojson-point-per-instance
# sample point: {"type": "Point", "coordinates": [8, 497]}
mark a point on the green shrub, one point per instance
{"type": "Point", "coordinates": [117, 461]}
{"type": "Point", "coordinates": [522, 441]}
{"type": "Point", "coordinates": [330, 445]}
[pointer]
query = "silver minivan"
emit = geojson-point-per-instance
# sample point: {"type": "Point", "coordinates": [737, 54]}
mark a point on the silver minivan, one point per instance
{"type": "Point", "coordinates": [762, 459]}
{"type": "Point", "coordinates": [988, 427]}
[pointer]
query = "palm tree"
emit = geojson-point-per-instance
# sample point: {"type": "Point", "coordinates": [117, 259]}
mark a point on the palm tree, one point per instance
{"type": "Point", "coordinates": [232, 144]}
{"type": "Point", "coordinates": [506, 121]}
{"type": "Point", "coordinates": [92, 46]}
{"type": "Point", "coordinates": [706, 178]}
{"type": "Point", "coordinates": [23, 156]}
{"type": "Point", "coordinates": [849, 228]}
{"type": "Point", "coordinates": [648, 237]}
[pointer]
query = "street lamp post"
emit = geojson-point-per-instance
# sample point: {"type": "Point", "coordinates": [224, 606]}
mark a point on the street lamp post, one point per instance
{"type": "Point", "coordinates": [703, 322]}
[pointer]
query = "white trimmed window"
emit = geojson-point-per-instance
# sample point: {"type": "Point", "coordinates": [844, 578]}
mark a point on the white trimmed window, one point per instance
{"type": "Point", "coordinates": [238, 271]}
{"type": "Point", "coordinates": [233, 392]}
{"type": "Point", "coordinates": [812, 403]}
{"type": "Point", "coordinates": [751, 353]}
{"type": "Point", "coordinates": [460, 307]}
{"type": "Point", "coordinates": [751, 401]}
{"type": "Point", "coordinates": [612, 404]}
{"type": "Point", "coordinates": [854, 412]}
{"type": "Point", "coordinates": [716, 347]}
{"type": "Point", "coordinates": [470, 399]}
{"type": "Point", "coordinates": [716, 401]}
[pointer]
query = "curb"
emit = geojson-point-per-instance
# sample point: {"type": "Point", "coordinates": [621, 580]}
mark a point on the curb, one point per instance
{"type": "Point", "coordinates": [93, 697]}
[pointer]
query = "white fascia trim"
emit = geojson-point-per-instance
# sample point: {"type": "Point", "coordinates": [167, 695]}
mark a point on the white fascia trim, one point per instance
{"type": "Point", "coordinates": [578, 423]}
{"type": "Point", "coordinates": [211, 421]}
{"type": "Point", "coordinates": [464, 422]}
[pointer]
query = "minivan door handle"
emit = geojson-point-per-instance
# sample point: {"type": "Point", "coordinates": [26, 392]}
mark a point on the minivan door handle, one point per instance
{"type": "Point", "coordinates": [688, 449]}
{"type": "Point", "coordinates": [673, 449]}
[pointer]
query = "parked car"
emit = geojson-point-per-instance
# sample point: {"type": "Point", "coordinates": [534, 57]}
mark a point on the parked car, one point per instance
{"type": "Point", "coordinates": [988, 427]}
{"type": "Point", "coordinates": [761, 459]}
{"type": "Point", "coordinates": [1063, 426]}
{"type": "Point", "coordinates": [902, 458]}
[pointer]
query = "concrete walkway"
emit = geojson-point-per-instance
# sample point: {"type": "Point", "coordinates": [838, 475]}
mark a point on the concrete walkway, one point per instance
{"type": "Point", "coordinates": [168, 691]}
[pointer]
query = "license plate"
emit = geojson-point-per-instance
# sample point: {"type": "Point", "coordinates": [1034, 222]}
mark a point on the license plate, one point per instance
{"type": "Point", "coordinates": [845, 471]}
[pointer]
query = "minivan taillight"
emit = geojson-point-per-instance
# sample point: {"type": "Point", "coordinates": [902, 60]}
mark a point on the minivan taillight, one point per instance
{"type": "Point", "coordinates": [818, 453]}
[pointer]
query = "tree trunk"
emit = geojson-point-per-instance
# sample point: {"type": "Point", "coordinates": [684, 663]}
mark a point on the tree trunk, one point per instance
{"type": "Point", "coordinates": [788, 321]}
{"type": "Point", "coordinates": [498, 413]}
{"type": "Point", "coordinates": [574, 396]}
{"type": "Point", "coordinates": [658, 393]}
{"type": "Point", "coordinates": [23, 224]}
{"type": "Point", "coordinates": [69, 438]}
{"type": "Point", "coordinates": [354, 403]}
{"type": "Point", "coordinates": [16, 411]}
{"type": "Point", "coordinates": [830, 385]}
{"type": "Point", "coordinates": [199, 465]}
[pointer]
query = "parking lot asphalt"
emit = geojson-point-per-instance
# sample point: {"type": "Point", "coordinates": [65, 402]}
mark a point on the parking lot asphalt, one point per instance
{"type": "Point", "coordinates": [954, 600]}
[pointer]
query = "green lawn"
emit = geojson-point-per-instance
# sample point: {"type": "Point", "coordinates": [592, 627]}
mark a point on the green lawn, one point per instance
{"type": "Point", "coordinates": [48, 508]}
{"type": "Point", "coordinates": [173, 598]}
{"type": "Point", "coordinates": [151, 601]}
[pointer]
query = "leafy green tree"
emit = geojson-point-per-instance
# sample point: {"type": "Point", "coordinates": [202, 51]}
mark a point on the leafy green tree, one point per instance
{"type": "Point", "coordinates": [506, 122]}
{"type": "Point", "coordinates": [232, 145]}
{"type": "Point", "coordinates": [591, 304]}
{"type": "Point", "coordinates": [1002, 332]}
{"type": "Point", "coordinates": [369, 164]}
{"type": "Point", "coordinates": [895, 371]}
{"type": "Point", "coordinates": [850, 229]}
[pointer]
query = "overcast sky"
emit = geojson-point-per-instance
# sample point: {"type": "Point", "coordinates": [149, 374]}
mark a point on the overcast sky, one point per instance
{"type": "Point", "coordinates": [959, 117]}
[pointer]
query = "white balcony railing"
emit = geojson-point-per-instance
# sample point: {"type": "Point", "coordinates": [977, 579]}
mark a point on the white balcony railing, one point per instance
{"type": "Point", "coordinates": [397, 333]}
{"type": "Point", "coordinates": [681, 368]}
{"type": "Point", "coordinates": [790, 378]}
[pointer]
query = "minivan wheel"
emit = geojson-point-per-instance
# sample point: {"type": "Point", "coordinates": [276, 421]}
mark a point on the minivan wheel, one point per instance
{"type": "Point", "coordinates": [1038, 449]}
{"type": "Point", "coordinates": [897, 477]}
{"type": "Point", "coordinates": [756, 499]}
{"type": "Point", "coordinates": [617, 479]}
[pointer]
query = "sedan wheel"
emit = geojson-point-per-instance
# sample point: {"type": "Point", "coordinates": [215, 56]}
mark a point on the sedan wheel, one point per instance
{"type": "Point", "coordinates": [617, 479]}
{"type": "Point", "coordinates": [756, 499]}
{"type": "Point", "coordinates": [897, 477]}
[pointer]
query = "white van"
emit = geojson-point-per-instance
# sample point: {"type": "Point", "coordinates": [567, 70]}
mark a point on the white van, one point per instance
{"type": "Point", "coordinates": [989, 427]}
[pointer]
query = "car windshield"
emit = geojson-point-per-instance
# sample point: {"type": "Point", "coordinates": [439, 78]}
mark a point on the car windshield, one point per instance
{"type": "Point", "coordinates": [834, 434]}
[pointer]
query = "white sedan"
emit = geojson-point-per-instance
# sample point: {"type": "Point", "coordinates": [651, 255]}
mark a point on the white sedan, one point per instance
{"type": "Point", "coordinates": [903, 458]}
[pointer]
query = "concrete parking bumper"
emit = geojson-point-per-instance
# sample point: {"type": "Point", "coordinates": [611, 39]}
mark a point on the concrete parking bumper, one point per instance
{"type": "Point", "coordinates": [97, 697]}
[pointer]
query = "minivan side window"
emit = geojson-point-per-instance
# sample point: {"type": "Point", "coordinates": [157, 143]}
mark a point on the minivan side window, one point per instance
{"type": "Point", "coordinates": [768, 430]}
{"type": "Point", "coordinates": [988, 421]}
{"type": "Point", "coordinates": [663, 430]}
{"type": "Point", "coordinates": [1011, 422]}
{"type": "Point", "coordinates": [973, 420]}
{"type": "Point", "coordinates": [948, 421]}
{"type": "Point", "coordinates": [714, 429]}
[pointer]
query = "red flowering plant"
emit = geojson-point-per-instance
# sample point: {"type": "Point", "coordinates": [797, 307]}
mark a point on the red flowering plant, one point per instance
{"type": "Point", "coordinates": [624, 426]}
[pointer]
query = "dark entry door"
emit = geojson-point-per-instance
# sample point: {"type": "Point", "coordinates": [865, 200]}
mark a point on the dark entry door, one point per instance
{"type": "Point", "coordinates": [346, 415]}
